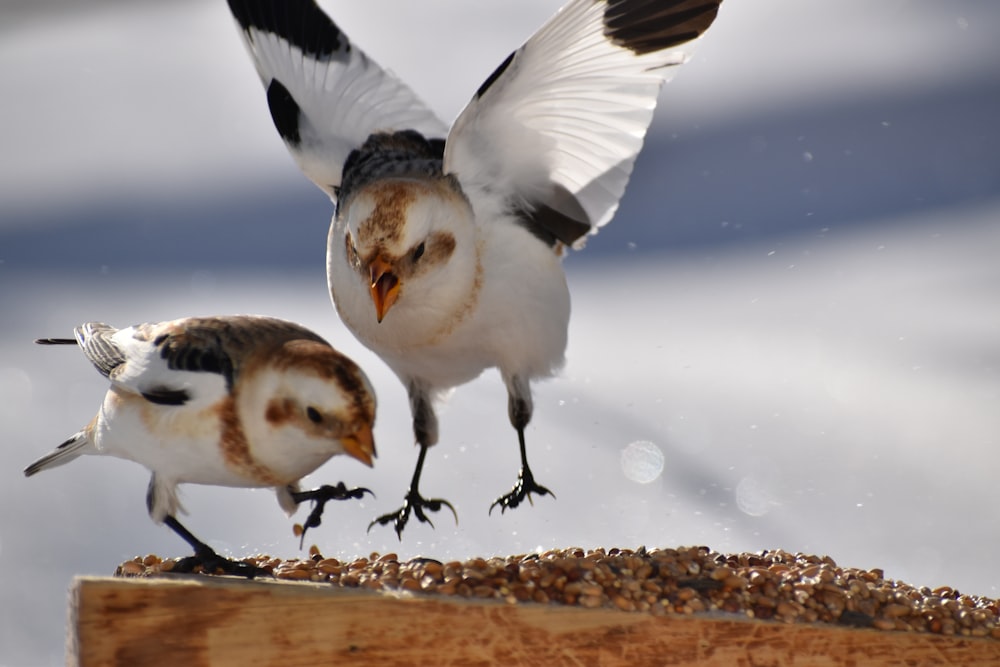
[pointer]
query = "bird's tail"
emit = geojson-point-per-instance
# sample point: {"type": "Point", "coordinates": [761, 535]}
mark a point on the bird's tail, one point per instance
{"type": "Point", "coordinates": [78, 444]}
{"type": "Point", "coordinates": [55, 341]}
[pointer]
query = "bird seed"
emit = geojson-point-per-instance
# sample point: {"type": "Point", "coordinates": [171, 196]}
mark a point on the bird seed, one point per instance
{"type": "Point", "coordinates": [768, 585]}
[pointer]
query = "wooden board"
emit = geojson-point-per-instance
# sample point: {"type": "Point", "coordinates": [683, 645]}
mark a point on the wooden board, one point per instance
{"type": "Point", "coordinates": [200, 621]}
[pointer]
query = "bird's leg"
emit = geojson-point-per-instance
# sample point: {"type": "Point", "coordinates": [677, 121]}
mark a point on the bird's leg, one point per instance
{"type": "Point", "coordinates": [161, 499]}
{"type": "Point", "coordinates": [525, 485]}
{"type": "Point", "coordinates": [425, 431]}
{"type": "Point", "coordinates": [320, 497]}
{"type": "Point", "coordinates": [205, 556]}
{"type": "Point", "coordinates": [519, 408]}
{"type": "Point", "coordinates": [415, 503]}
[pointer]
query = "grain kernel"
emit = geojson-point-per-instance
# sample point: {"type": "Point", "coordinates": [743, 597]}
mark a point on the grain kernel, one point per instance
{"type": "Point", "coordinates": [810, 571]}
{"type": "Point", "coordinates": [685, 594]}
{"type": "Point", "coordinates": [624, 603]}
{"type": "Point", "coordinates": [329, 566]}
{"type": "Point", "coordinates": [132, 569]}
{"type": "Point", "coordinates": [895, 610]}
{"type": "Point", "coordinates": [788, 587]}
{"type": "Point", "coordinates": [786, 609]}
{"type": "Point", "coordinates": [295, 574]}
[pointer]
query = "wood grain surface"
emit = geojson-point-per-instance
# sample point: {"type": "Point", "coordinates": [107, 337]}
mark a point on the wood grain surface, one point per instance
{"type": "Point", "coordinates": [198, 621]}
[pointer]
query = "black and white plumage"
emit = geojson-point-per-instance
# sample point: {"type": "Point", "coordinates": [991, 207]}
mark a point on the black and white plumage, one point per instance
{"type": "Point", "coordinates": [445, 247]}
{"type": "Point", "coordinates": [236, 401]}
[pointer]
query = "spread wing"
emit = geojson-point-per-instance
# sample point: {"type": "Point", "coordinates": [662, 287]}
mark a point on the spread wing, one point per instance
{"type": "Point", "coordinates": [325, 95]}
{"type": "Point", "coordinates": [557, 127]}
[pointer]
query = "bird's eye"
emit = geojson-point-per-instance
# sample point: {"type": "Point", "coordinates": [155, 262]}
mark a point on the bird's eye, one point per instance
{"type": "Point", "coordinates": [314, 416]}
{"type": "Point", "coordinates": [418, 252]}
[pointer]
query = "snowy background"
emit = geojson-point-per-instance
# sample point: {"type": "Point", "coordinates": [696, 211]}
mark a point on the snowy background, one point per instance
{"type": "Point", "coordinates": [797, 306]}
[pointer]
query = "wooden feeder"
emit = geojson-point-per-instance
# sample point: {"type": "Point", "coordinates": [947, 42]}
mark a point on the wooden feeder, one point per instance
{"type": "Point", "coordinates": [569, 607]}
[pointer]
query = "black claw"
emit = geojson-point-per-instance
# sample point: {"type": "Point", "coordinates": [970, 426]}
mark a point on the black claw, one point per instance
{"type": "Point", "coordinates": [206, 557]}
{"type": "Point", "coordinates": [415, 503]}
{"type": "Point", "coordinates": [213, 563]}
{"type": "Point", "coordinates": [320, 497]}
{"type": "Point", "coordinates": [525, 486]}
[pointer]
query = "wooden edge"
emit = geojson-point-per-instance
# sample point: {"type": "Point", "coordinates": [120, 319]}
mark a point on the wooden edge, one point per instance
{"type": "Point", "coordinates": [196, 620]}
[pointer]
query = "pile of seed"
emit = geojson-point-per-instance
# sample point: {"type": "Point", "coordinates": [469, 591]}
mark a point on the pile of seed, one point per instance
{"type": "Point", "coordinates": [775, 585]}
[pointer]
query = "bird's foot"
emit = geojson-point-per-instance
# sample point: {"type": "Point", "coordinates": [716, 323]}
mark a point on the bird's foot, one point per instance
{"type": "Point", "coordinates": [213, 563]}
{"type": "Point", "coordinates": [525, 486]}
{"type": "Point", "coordinates": [320, 497]}
{"type": "Point", "coordinates": [416, 504]}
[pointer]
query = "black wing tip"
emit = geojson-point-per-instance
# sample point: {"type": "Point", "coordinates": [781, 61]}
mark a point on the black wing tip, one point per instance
{"type": "Point", "coordinates": [36, 466]}
{"type": "Point", "coordinates": [55, 341]}
{"type": "Point", "coordinates": [491, 79]}
{"type": "Point", "coordinates": [285, 112]}
{"type": "Point", "coordinates": [299, 22]}
{"type": "Point", "coordinates": [647, 26]}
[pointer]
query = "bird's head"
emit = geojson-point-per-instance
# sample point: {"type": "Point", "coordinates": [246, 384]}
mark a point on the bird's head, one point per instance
{"type": "Point", "coordinates": [315, 403]}
{"type": "Point", "coordinates": [411, 244]}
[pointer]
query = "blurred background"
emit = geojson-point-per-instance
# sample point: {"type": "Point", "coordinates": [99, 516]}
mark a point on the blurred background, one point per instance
{"type": "Point", "coordinates": [789, 337]}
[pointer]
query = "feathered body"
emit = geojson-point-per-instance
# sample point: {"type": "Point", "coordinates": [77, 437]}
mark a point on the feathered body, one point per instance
{"type": "Point", "coordinates": [444, 255]}
{"type": "Point", "coordinates": [229, 401]}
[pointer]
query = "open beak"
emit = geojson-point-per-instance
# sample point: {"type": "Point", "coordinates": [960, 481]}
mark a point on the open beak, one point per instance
{"type": "Point", "coordinates": [384, 287]}
{"type": "Point", "coordinates": [360, 445]}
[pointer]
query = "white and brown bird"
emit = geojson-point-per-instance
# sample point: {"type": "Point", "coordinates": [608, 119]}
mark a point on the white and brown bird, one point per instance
{"type": "Point", "coordinates": [235, 401]}
{"type": "Point", "coordinates": [444, 254]}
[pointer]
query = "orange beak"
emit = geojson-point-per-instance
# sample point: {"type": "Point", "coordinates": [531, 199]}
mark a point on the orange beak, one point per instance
{"type": "Point", "coordinates": [384, 287]}
{"type": "Point", "coordinates": [360, 445]}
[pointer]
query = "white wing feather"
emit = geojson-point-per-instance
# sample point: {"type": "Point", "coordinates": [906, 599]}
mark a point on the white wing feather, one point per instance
{"type": "Point", "coordinates": [341, 95]}
{"type": "Point", "coordinates": [561, 123]}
